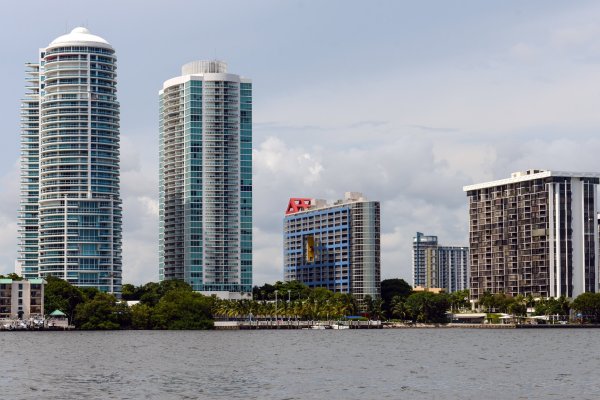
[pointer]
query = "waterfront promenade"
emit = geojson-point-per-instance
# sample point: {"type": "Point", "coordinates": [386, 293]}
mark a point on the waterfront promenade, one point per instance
{"type": "Point", "coordinates": [261, 325]}
{"type": "Point", "coordinates": [285, 324]}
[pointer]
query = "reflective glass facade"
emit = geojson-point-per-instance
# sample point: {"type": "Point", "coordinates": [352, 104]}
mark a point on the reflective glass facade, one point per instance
{"type": "Point", "coordinates": [206, 180]}
{"type": "Point", "coordinates": [78, 221]}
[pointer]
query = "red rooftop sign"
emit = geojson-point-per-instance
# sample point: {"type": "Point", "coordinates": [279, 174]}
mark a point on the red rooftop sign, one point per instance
{"type": "Point", "coordinates": [297, 204]}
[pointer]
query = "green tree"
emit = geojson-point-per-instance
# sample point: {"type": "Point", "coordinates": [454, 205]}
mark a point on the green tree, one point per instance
{"type": "Point", "coordinates": [152, 292]}
{"type": "Point", "coordinates": [102, 312]}
{"type": "Point", "coordinates": [129, 292]}
{"type": "Point", "coordinates": [61, 295]}
{"type": "Point", "coordinates": [183, 309]}
{"type": "Point", "coordinates": [141, 316]}
{"type": "Point", "coordinates": [12, 276]}
{"type": "Point", "coordinates": [264, 292]}
{"type": "Point", "coordinates": [552, 306]}
{"type": "Point", "coordinates": [428, 307]}
{"type": "Point", "coordinates": [391, 288]}
{"type": "Point", "coordinates": [517, 305]}
{"type": "Point", "coordinates": [498, 302]}
{"type": "Point", "coordinates": [588, 304]}
{"type": "Point", "coordinates": [459, 300]}
{"type": "Point", "coordinates": [398, 309]}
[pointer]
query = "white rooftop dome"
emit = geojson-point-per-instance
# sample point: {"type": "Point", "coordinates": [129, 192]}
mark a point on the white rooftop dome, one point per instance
{"type": "Point", "coordinates": [79, 35]}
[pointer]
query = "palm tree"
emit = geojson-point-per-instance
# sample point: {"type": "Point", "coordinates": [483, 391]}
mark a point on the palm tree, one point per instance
{"type": "Point", "coordinates": [398, 308]}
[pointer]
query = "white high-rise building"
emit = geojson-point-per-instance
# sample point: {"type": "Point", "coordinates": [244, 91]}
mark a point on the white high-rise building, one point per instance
{"type": "Point", "coordinates": [206, 180]}
{"type": "Point", "coordinates": [70, 212]}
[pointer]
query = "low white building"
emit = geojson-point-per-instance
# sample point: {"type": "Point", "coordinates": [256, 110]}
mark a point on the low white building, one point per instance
{"type": "Point", "coordinates": [21, 299]}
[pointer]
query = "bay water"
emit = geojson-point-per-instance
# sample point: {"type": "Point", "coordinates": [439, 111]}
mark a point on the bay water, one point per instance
{"type": "Point", "coordinates": [302, 364]}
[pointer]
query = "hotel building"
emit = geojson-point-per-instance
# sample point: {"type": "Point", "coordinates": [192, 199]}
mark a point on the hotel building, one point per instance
{"type": "Point", "coordinates": [436, 266]}
{"type": "Point", "coordinates": [70, 205]}
{"type": "Point", "coordinates": [206, 180]}
{"type": "Point", "coordinates": [534, 233]}
{"type": "Point", "coordinates": [334, 246]}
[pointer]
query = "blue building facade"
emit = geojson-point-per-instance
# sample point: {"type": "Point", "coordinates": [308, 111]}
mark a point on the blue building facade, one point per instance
{"type": "Point", "coordinates": [336, 246]}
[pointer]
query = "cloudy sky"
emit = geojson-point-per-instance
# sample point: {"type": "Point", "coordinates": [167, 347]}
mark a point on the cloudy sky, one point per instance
{"type": "Point", "coordinates": [403, 101]}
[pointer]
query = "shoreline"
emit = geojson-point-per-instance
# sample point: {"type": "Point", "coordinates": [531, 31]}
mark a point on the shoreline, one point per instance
{"type": "Point", "coordinates": [234, 325]}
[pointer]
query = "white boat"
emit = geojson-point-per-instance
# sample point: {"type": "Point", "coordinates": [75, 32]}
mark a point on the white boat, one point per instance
{"type": "Point", "coordinates": [339, 326]}
{"type": "Point", "coordinates": [317, 327]}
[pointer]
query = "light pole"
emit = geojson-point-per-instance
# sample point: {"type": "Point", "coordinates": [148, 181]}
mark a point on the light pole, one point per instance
{"type": "Point", "coordinates": [289, 304]}
{"type": "Point", "coordinates": [276, 322]}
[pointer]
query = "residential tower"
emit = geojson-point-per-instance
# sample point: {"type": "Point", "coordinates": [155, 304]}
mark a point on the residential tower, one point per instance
{"type": "Point", "coordinates": [70, 205]}
{"type": "Point", "coordinates": [335, 246]}
{"type": "Point", "coordinates": [534, 233]}
{"type": "Point", "coordinates": [206, 180]}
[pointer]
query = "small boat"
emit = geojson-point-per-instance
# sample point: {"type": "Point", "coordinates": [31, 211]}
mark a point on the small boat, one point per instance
{"type": "Point", "coordinates": [317, 327]}
{"type": "Point", "coordinates": [340, 326]}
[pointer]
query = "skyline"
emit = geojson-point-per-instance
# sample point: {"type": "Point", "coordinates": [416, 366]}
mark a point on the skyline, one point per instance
{"type": "Point", "coordinates": [428, 98]}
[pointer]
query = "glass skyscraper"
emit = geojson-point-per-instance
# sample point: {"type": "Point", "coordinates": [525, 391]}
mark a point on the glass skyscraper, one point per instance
{"type": "Point", "coordinates": [70, 208]}
{"type": "Point", "coordinates": [206, 180]}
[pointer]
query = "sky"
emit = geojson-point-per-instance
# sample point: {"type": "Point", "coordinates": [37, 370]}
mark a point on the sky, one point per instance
{"type": "Point", "coordinates": [404, 101]}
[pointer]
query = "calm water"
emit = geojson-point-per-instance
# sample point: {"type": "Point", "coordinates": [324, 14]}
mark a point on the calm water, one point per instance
{"type": "Point", "coordinates": [357, 364]}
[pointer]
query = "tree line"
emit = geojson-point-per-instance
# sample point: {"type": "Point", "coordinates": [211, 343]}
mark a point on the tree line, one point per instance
{"type": "Point", "coordinates": [174, 305]}
{"type": "Point", "coordinates": [165, 305]}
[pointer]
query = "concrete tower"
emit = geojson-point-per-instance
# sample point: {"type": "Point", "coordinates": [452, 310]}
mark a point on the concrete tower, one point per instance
{"type": "Point", "coordinates": [534, 233]}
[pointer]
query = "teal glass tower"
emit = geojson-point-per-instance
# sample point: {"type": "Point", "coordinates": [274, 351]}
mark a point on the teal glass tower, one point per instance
{"type": "Point", "coordinates": [206, 180]}
{"type": "Point", "coordinates": [70, 213]}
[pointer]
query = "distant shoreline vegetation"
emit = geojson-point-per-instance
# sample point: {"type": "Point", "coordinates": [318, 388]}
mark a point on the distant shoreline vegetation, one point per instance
{"type": "Point", "coordinates": [172, 305]}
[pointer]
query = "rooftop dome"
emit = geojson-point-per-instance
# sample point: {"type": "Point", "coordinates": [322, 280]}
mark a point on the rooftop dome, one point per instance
{"type": "Point", "coordinates": [79, 35]}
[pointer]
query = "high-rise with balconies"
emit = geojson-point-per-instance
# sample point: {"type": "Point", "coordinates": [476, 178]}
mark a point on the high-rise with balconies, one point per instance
{"type": "Point", "coordinates": [206, 180]}
{"type": "Point", "coordinates": [534, 233]}
{"type": "Point", "coordinates": [70, 205]}
{"type": "Point", "coordinates": [334, 246]}
{"type": "Point", "coordinates": [437, 266]}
